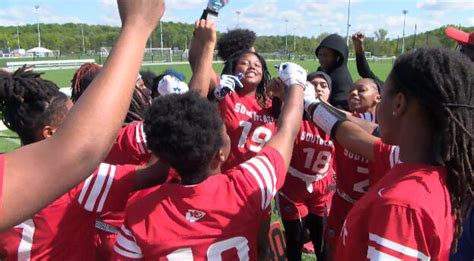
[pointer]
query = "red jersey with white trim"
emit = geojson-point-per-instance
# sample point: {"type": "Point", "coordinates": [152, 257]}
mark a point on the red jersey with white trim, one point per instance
{"type": "Point", "coordinates": [130, 146]}
{"type": "Point", "coordinates": [311, 162]}
{"type": "Point", "coordinates": [216, 219]}
{"type": "Point", "coordinates": [248, 125]}
{"type": "Point", "coordinates": [65, 229]}
{"type": "Point", "coordinates": [405, 216]}
{"type": "Point", "coordinates": [385, 158]}
{"type": "Point", "coordinates": [352, 170]}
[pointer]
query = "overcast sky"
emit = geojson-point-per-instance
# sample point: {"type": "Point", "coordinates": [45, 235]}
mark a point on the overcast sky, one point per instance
{"type": "Point", "coordinates": [265, 17]}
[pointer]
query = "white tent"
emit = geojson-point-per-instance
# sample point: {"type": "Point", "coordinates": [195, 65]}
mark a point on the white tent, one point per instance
{"type": "Point", "coordinates": [39, 51]}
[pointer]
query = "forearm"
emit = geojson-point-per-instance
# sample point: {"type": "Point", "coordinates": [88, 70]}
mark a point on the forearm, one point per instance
{"type": "Point", "coordinates": [352, 137]}
{"type": "Point", "coordinates": [288, 123]}
{"type": "Point", "coordinates": [202, 72]}
{"type": "Point", "coordinates": [37, 174]}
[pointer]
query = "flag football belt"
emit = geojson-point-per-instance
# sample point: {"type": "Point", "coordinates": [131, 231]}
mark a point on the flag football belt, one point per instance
{"type": "Point", "coordinates": [307, 179]}
{"type": "Point", "coordinates": [106, 227]}
{"type": "Point", "coordinates": [346, 197]}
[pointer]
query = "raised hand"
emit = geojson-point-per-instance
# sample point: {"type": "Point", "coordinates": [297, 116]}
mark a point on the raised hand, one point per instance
{"type": "Point", "coordinates": [143, 14]}
{"type": "Point", "coordinates": [292, 74]}
{"type": "Point", "coordinates": [205, 31]}
{"type": "Point", "coordinates": [227, 84]}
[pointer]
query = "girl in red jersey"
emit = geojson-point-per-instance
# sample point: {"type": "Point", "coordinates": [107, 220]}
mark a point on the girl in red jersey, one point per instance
{"type": "Point", "coordinates": [415, 211]}
{"type": "Point", "coordinates": [243, 104]}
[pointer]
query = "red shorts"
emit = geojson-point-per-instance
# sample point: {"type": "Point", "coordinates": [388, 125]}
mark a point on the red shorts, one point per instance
{"type": "Point", "coordinates": [296, 201]}
{"type": "Point", "coordinates": [339, 210]}
{"type": "Point", "coordinates": [104, 242]}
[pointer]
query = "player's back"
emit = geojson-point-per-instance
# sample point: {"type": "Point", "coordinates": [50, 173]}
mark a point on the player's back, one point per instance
{"type": "Point", "coordinates": [217, 218]}
{"type": "Point", "coordinates": [38, 238]}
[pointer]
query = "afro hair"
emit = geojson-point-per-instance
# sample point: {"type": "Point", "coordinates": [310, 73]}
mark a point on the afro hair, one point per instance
{"type": "Point", "coordinates": [234, 41]}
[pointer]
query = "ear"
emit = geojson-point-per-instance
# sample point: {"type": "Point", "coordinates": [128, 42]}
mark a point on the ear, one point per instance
{"type": "Point", "coordinates": [399, 104]}
{"type": "Point", "coordinates": [48, 131]}
{"type": "Point", "coordinates": [221, 156]}
{"type": "Point", "coordinates": [378, 98]}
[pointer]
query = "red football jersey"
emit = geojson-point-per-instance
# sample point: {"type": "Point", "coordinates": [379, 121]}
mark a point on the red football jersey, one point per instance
{"type": "Point", "coordinates": [405, 216]}
{"type": "Point", "coordinates": [311, 162]}
{"type": "Point", "coordinates": [218, 218]}
{"type": "Point", "coordinates": [65, 229]}
{"type": "Point", "coordinates": [130, 146]}
{"type": "Point", "coordinates": [385, 157]}
{"type": "Point", "coordinates": [248, 126]}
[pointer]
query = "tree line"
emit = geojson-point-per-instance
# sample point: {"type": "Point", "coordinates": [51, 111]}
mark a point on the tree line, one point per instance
{"type": "Point", "coordinates": [68, 39]}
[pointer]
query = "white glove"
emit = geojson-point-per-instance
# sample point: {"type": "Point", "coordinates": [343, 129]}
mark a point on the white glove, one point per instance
{"type": "Point", "coordinates": [170, 84]}
{"type": "Point", "coordinates": [227, 84]}
{"type": "Point", "coordinates": [292, 73]}
{"type": "Point", "coordinates": [310, 96]}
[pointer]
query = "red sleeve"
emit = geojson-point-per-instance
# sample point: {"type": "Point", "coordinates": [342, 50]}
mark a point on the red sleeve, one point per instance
{"type": "Point", "coordinates": [399, 233]}
{"type": "Point", "coordinates": [261, 177]}
{"type": "Point", "coordinates": [385, 157]}
{"type": "Point", "coordinates": [130, 146]}
{"type": "Point", "coordinates": [107, 189]}
{"type": "Point", "coordinates": [126, 247]}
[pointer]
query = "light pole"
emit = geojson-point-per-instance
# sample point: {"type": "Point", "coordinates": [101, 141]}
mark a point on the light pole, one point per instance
{"type": "Point", "coordinates": [238, 18]}
{"type": "Point", "coordinates": [83, 40]}
{"type": "Point", "coordinates": [414, 40]}
{"type": "Point", "coordinates": [403, 36]}
{"type": "Point", "coordinates": [286, 35]}
{"type": "Point", "coordinates": [18, 37]}
{"type": "Point", "coordinates": [348, 21]}
{"type": "Point", "coordinates": [294, 39]}
{"type": "Point", "coordinates": [37, 20]}
{"type": "Point", "coordinates": [161, 37]}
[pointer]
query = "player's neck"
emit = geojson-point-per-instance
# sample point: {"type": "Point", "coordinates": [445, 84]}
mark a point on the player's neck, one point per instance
{"type": "Point", "coordinates": [417, 144]}
{"type": "Point", "coordinates": [247, 91]}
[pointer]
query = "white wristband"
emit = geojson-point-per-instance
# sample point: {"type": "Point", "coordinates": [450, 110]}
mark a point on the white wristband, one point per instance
{"type": "Point", "coordinates": [324, 118]}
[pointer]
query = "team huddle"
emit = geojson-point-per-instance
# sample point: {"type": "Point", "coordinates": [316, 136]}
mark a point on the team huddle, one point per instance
{"type": "Point", "coordinates": [362, 170]}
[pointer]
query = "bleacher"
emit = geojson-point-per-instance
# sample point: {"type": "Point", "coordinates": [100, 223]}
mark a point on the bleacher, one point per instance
{"type": "Point", "coordinates": [48, 65]}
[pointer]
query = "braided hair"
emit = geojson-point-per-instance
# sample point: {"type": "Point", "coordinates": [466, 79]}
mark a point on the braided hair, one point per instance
{"type": "Point", "coordinates": [442, 81]}
{"type": "Point", "coordinates": [82, 78]}
{"type": "Point", "coordinates": [229, 68]}
{"type": "Point", "coordinates": [28, 103]}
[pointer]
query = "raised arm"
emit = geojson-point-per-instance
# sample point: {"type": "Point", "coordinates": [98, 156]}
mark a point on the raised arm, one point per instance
{"type": "Point", "coordinates": [290, 118]}
{"type": "Point", "coordinates": [352, 133]}
{"type": "Point", "coordinates": [363, 67]}
{"type": "Point", "coordinates": [201, 54]}
{"type": "Point", "coordinates": [37, 174]}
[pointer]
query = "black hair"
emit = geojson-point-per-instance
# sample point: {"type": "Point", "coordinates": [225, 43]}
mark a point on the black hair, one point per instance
{"type": "Point", "coordinates": [234, 41]}
{"type": "Point", "coordinates": [229, 68]}
{"type": "Point", "coordinates": [28, 103]}
{"type": "Point", "coordinates": [140, 103]}
{"type": "Point", "coordinates": [148, 77]}
{"type": "Point", "coordinates": [184, 130]}
{"type": "Point", "coordinates": [83, 76]}
{"type": "Point", "coordinates": [442, 81]}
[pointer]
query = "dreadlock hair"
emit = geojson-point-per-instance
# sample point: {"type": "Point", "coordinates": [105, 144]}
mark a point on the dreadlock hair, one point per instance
{"type": "Point", "coordinates": [229, 68]}
{"type": "Point", "coordinates": [184, 130]}
{"type": "Point", "coordinates": [442, 81]}
{"type": "Point", "coordinates": [82, 78]}
{"type": "Point", "coordinates": [28, 103]}
{"type": "Point", "coordinates": [141, 102]}
{"type": "Point", "coordinates": [234, 41]}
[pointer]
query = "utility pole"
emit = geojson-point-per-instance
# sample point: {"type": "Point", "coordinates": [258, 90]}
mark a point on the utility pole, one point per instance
{"type": "Point", "coordinates": [37, 20]}
{"type": "Point", "coordinates": [238, 18]}
{"type": "Point", "coordinates": [348, 21]}
{"type": "Point", "coordinates": [161, 37]}
{"type": "Point", "coordinates": [18, 38]}
{"type": "Point", "coordinates": [286, 35]}
{"type": "Point", "coordinates": [83, 40]}
{"type": "Point", "coordinates": [403, 37]}
{"type": "Point", "coordinates": [414, 40]}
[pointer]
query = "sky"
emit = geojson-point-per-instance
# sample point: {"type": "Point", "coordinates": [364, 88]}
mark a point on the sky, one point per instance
{"type": "Point", "coordinates": [265, 17]}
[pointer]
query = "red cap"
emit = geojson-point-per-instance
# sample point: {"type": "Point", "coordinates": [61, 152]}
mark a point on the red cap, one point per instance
{"type": "Point", "coordinates": [460, 36]}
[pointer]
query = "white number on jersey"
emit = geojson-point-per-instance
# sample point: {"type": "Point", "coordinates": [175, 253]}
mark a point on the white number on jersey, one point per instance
{"type": "Point", "coordinates": [362, 186]}
{"type": "Point", "coordinates": [214, 252]}
{"type": "Point", "coordinates": [27, 233]}
{"type": "Point", "coordinates": [256, 136]}
{"type": "Point", "coordinates": [321, 164]}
